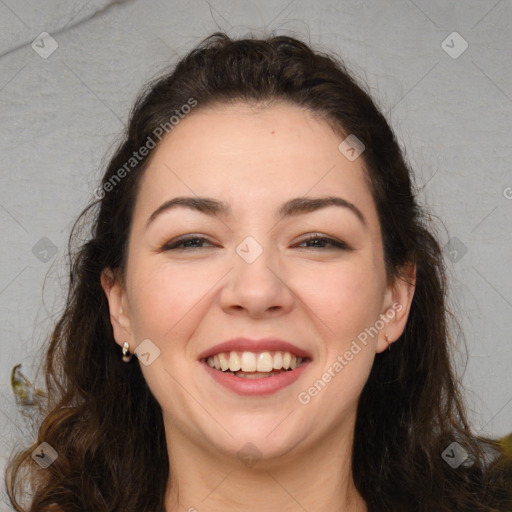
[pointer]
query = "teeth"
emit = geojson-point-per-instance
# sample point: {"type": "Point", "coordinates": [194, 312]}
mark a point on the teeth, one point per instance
{"type": "Point", "coordinates": [262, 362]}
{"type": "Point", "coordinates": [224, 362]}
{"type": "Point", "coordinates": [278, 361]}
{"type": "Point", "coordinates": [265, 362]}
{"type": "Point", "coordinates": [248, 362]}
{"type": "Point", "coordinates": [255, 375]}
{"type": "Point", "coordinates": [234, 362]}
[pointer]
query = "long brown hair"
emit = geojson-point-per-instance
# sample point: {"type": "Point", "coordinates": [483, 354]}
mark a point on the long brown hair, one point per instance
{"type": "Point", "coordinates": [101, 417]}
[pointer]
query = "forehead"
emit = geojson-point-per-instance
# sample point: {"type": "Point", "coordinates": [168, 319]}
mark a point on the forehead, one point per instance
{"type": "Point", "coordinates": [252, 157]}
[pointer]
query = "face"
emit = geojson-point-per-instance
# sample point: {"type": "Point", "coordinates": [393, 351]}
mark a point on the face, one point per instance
{"type": "Point", "coordinates": [312, 276]}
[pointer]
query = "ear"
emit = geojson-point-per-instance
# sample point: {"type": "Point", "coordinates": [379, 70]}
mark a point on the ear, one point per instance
{"type": "Point", "coordinates": [396, 307]}
{"type": "Point", "coordinates": [118, 306]}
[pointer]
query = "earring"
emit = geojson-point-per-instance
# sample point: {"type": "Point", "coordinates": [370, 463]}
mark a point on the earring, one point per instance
{"type": "Point", "coordinates": [387, 341]}
{"type": "Point", "coordinates": [126, 355]}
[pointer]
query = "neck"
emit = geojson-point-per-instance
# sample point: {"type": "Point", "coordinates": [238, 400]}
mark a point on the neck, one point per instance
{"type": "Point", "coordinates": [318, 478]}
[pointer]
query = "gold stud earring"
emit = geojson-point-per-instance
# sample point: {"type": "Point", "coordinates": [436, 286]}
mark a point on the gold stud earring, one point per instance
{"type": "Point", "coordinates": [126, 355]}
{"type": "Point", "coordinates": [387, 341]}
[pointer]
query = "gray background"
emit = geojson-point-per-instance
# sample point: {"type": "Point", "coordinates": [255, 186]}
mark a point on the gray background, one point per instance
{"type": "Point", "coordinates": [60, 116]}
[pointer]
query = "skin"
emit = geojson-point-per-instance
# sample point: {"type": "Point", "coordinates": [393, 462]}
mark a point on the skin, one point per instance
{"type": "Point", "coordinates": [318, 297]}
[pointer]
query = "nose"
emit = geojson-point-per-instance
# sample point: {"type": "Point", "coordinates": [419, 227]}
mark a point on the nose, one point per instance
{"type": "Point", "coordinates": [257, 288]}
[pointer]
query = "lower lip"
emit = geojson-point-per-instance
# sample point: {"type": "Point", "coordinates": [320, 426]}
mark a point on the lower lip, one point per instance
{"type": "Point", "coordinates": [256, 387]}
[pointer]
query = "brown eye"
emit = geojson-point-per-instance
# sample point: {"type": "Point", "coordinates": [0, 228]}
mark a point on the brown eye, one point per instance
{"type": "Point", "coordinates": [189, 242]}
{"type": "Point", "coordinates": [325, 242]}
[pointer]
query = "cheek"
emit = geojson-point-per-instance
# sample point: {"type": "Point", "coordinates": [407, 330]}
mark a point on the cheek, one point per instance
{"type": "Point", "coordinates": [347, 301]}
{"type": "Point", "coordinates": [345, 297]}
{"type": "Point", "coordinates": [164, 298]}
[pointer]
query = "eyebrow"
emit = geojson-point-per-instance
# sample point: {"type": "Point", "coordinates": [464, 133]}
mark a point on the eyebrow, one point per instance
{"type": "Point", "coordinates": [292, 207]}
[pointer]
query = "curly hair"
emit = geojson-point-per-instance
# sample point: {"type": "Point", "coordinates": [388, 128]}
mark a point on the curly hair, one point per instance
{"type": "Point", "coordinates": [100, 415]}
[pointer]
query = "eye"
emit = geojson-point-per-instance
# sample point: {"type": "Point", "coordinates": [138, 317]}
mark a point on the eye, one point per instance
{"type": "Point", "coordinates": [325, 240]}
{"type": "Point", "coordinates": [186, 242]}
{"type": "Point", "coordinates": [196, 242]}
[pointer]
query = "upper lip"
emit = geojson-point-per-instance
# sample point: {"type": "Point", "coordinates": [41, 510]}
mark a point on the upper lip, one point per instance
{"type": "Point", "coordinates": [243, 344]}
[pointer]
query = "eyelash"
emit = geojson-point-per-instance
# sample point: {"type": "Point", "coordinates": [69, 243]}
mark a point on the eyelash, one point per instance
{"type": "Point", "coordinates": [175, 244]}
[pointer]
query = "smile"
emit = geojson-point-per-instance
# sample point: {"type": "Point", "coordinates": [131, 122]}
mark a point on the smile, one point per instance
{"type": "Point", "coordinates": [254, 364]}
{"type": "Point", "coordinates": [255, 373]}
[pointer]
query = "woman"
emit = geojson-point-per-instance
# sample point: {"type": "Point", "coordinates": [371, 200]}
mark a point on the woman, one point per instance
{"type": "Point", "coordinates": [257, 244]}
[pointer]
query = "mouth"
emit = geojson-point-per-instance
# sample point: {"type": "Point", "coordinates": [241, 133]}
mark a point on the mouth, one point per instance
{"type": "Point", "coordinates": [255, 365]}
{"type": "Point", "coordinates": [255, 374]}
